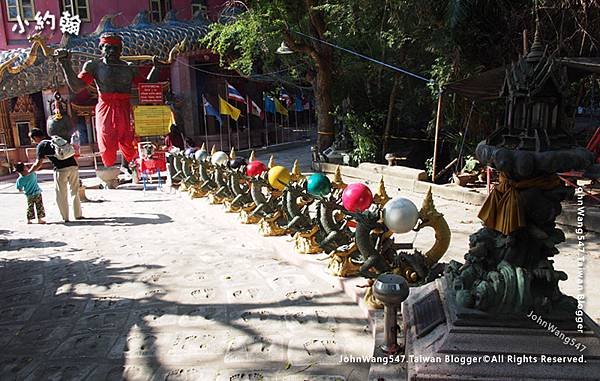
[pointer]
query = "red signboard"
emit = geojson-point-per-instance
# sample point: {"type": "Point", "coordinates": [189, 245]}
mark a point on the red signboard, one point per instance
{"type": "Point", "coordinates": [150, 93]}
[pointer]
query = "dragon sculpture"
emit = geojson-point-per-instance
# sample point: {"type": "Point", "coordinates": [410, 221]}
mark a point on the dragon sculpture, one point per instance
{"type": "Point", "coordinates": [207, 184]}
{"type": "Point", "coordinates": [247, 215]}
{"type": "Point", "coordinates": [240, 191]}
{"type": "Point", "coordinates": [379, 253]}
{"type": "Point", "coordinates": [221, 192]}
{"type": "Point", "coordinates": [27, 71]}
{"type": "Point", "coordinates": [268, 208]}
{"type": "Point", "coordinates": [304, 229]}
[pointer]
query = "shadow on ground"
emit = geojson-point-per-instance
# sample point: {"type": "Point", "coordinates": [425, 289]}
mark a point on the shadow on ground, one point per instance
{"type": "Point", "coordinates": [157, 218]}
{"type": "Point", "coordinates": [63, 320]}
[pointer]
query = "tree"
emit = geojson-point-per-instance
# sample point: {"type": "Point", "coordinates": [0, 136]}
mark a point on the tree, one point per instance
{"type": "Point", "coordinates": [445, 40]}
{"type": "Point", "coordinates": [253, 36]}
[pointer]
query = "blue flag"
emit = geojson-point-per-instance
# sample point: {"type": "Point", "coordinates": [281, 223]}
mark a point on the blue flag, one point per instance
{"type": "Point", "coordinates": [269, 105]}
{"type": "Point", "coordinates": [209, 110]}
{"type": "Point", "coordinates": [298, 104]}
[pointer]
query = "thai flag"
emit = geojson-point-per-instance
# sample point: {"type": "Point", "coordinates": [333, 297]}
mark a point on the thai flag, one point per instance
{"type": "Point", "coordinates": [234, 95]}
{"type": "Point", "coordinates": [253, 109]}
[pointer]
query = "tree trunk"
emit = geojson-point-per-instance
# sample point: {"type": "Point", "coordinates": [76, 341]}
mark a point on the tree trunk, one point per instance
{"type": "Point", "coordinates": [390, 115]}
{"type": "Point", "coordinates": [324, 105]}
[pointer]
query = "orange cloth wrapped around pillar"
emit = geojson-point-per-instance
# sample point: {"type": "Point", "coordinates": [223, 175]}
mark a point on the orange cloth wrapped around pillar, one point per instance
{"type": "Point", "coordinates": [501, 210]}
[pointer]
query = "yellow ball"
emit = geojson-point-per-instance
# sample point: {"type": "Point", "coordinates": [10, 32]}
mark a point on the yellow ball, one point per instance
{"type": "Point", "coordinates": [279, 177]}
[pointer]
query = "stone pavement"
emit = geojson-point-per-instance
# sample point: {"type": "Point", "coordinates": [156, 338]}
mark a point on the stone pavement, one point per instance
{"type": "Point", "coordinates": [157, 286]}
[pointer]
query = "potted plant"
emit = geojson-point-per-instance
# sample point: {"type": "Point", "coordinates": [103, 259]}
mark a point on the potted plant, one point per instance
{"type": "Point", "coordinates": [469, 173]}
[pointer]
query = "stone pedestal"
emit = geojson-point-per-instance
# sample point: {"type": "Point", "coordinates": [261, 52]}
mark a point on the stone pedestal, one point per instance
{"type": "Point", "coordinates": [270, 227]}
{"type": "Point", "coordinates": [448, 342]}
{"type": "Point", "coordinates": [306, 242]}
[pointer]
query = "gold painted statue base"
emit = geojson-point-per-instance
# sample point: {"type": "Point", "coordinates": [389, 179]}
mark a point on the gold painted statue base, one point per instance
{"type": "Point", "coordinates": [370, 299]}
{"type": "Point", "coordinates": [197, 192]}
{"type": "Point", "coordinates": [215, 200]}
{"type": "Point", "coordinates": [231, 208]}
{"type": "Point", "coordinates": [268, 227]}
{"type": "Point", "coordinates": [306, 243]}
{"type": "Point", "coordinates": [340, 263]}
{"type": "Point", "coordinates": [245, 214]}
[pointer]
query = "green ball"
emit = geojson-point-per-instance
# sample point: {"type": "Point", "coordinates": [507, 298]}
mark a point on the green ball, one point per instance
{"type": "Point", "coordinates": [318, 184]}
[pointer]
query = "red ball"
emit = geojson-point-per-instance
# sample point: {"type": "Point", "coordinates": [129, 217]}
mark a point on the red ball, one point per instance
{"type": "Point", "coordinates": [255, 168]}
{"type": "Point", "coordinates": [357, 197]}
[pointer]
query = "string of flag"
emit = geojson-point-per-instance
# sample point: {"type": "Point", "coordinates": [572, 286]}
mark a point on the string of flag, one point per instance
{"type": "Point", "coordinates": [272, 105]}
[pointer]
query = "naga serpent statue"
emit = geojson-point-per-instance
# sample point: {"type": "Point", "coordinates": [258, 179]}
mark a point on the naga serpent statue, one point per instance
{"type": "Point", "coordinates": [174, 166]}
{"type": "Point", "coordinates": [271, 216]}
{"type": "Point", "coordinates": [249, 214]}
{"type": "Point", "coordinates": [185, 170]}
{"type": "Point", "coordinates": [207, 184]}
{"type": "Point", "coordinates": [221, 191]}
{"type": "Point", "coordinates": [296, 207]}
{"type": "Point", "coordinates": [379, 253]}
{"type": "Point", "coordinates": [332, 233]}
{"type": "Point", "coordinates": [240, 191]}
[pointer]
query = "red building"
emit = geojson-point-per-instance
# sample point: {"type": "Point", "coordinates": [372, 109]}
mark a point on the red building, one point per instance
{"type": "Point", "coordinates": [194, 74]}
{"type": "Point", "coordinates": [20, 114]}
{"type": "Point", "coordinates": [90, 12]}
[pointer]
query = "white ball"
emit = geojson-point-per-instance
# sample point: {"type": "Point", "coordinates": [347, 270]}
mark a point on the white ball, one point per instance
{"type": "Point", "coordinates": [400, 215]}
{"type": "Point", "coordinates": [201, 155]}
{"type": "Point", "coordinates": [219, 158]}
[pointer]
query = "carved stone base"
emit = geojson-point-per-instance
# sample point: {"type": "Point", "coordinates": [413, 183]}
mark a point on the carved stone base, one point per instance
{"type": "Point", "coordinates": [230, 208]}
{"type": "Point", "coordinates": [517, 347]}
{"type": "Point", "coordinates": [215, 200]}
{"type": "Point", "coordinates": [196, 192]}
{"type": "Point", "coordinates": [246, 217]}
{"type": "Point", "coordinates": [340, 263]}
{"type": "Point", "coordinates": [306, 243]}
{"type": "Point", "coordinates": [268, 227]}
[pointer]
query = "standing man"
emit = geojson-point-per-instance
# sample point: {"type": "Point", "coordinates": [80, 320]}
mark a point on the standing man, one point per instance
{"type": "Point", "coordinates": [66, 175]}
{"type": "Point", "coordinates": [113, 78]}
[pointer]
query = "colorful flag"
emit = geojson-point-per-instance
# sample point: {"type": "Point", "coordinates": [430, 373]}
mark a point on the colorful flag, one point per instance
{"type": "Point", "coordinates": [233, 94]}
{"type": "Point", "coordinates": [227, 109]}
{"type": "Point", "coordinates": [269, 105]}
{"type": "Point", "coordinates": [280, 108]}
{"type": "Point", "coordinates": [253, 109]}
{"type": "Point", "coordinates": [209, 110]}
{"type": "Point", "coordinates": [298, 104]}
{"type": "Point", "coordinates": [285, 97]}
{"type": "Point", "coordinates": [305, 103]}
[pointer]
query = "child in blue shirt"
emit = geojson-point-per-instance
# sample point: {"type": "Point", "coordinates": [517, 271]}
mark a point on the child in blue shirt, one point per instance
{"type": "Point", "coordinates": [28, 182]}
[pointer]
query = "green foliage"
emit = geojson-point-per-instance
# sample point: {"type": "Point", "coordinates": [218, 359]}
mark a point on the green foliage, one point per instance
{"type": "Point", "coordinates": [472, 165]}
{"type": "Point", "coordinates": [243, 42]}
{"type": "Point", "coordinates": [441, 73]}
{"type": "Point", "coordinates": [363, 134]}
{"type": "Point", "coordinates": [445, 40]}
{"type": "Point", "coordinates": [429, 166]}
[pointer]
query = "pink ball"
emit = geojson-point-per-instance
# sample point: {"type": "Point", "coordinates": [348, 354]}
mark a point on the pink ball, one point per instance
{"type": "Point", "coordinates": [357, 197]}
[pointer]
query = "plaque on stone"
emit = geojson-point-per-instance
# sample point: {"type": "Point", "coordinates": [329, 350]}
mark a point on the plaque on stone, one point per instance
{"type": "Point", "coordinates": [429, 313]}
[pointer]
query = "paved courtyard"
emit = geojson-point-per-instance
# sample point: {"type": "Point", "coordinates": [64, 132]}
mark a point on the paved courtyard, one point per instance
{"type": "Point", "coordinates": [156, 286]}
